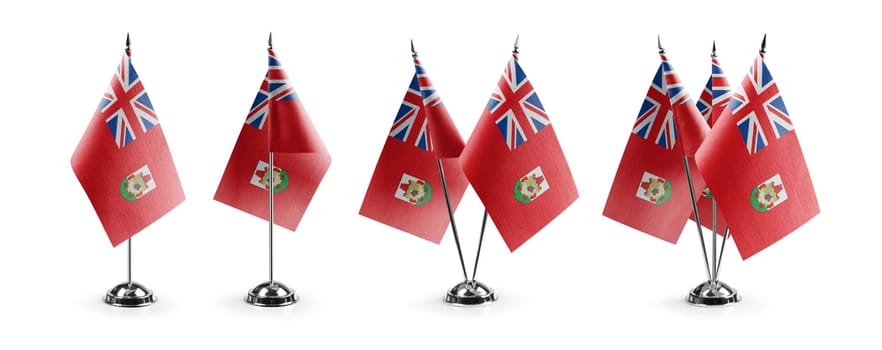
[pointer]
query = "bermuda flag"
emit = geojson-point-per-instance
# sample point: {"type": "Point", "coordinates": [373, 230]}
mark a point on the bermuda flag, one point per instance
{"type": "Point", "coordinates": [405, 191]}
{"type": "Point", "coordinates": [515, 163]}
{"type": "Point", "coordinates": [754, 164]}
{"type": "Point", "coordinates": [650, 191]}
{"type": "Point", "coordinates": [123, 161]}
{"type": "Point", "coordinates": [711, 105]}
{"type": "Point", "coordinates": [276, 123]}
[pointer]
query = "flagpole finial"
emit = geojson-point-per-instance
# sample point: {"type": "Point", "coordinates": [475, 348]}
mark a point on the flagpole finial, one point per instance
{"type": "Point", "coordinates": [413, 52]}
{"type": "Point", "coordinates": [763, 45]}
{"type": "Point", "coordinates": [714, 50]}
{"type": "Point", "coordinates": [269, 43]}
{"type": "Point", "coordinates": [128, 42]}
{"type": "Point", "coordinates": [517, 45]}
{"type": "Point", "coordinates": [661, 50]}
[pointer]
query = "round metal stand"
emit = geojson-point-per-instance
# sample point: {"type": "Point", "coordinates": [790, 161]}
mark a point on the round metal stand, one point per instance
{"type": "Point", "coordinates": [713, 294]}
{"type": "Point", "coordinates": [271, 294]}
{"type": "Point", "coordinates": [129, 294]}
{"type": "Point", "coordinates": [470, 293]}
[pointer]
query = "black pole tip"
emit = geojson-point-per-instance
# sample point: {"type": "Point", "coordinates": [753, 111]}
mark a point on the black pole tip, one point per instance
{"type": "Point", "coordinates": [269, 43]}
{"type": "Point", "coordinates": [517, 45]}
{"type": "Point", "coordinates": [413, 52]}
{"type": "Point", "coordinates": [714, 50]}
{"type": "Point", "coordinates": [661, 50]}
{"type": "Point", "coordinates": [763, 45]}
{"type": "Point", "coordinates": [128, 42]}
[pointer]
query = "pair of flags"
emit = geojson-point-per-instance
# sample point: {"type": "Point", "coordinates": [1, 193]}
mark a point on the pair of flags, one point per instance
{"type": "Point", "coordinates": [126, 168]}
{"type": "Point", "coordinates": [741, 148]}
{"type": "Point", "coordinates": [512, 159]}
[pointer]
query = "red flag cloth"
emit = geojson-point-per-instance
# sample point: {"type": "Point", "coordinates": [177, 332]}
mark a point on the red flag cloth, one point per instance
{"type": "Point", "coordinates": [276, 123]}
{"type": "Point", "coordinates": [515, 163]}
{"type": "Point", "coordinates": [123, 161]}
{"type": "Point", "coordinates": [754, 164]}
{"type": "Point", "coordinates": [405, 191]}
{"type": "Point", "coordinates": [650, 191]}
{"type": "Point", "coordinates": [711, 104]}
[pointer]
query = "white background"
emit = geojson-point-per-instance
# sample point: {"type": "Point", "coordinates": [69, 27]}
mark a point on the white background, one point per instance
{"type": "Point", "coordinates": [584, 281]}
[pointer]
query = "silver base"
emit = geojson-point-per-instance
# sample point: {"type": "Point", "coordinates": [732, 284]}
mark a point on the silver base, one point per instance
{"type": "Point", "coordinates": [470, 293]}
{"type": "Point", "coordinates": [271, 294]}
{"type": "Point", "coordinates": [129, 295]}
{"type": "Point", "coordinates": [713, 294]}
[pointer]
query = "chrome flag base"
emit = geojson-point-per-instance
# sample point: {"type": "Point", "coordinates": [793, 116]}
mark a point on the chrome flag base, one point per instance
{"type": "Point", "coordinates": [271, 294]}
{"type": "Point", "coordinates": [129, 294]}
{"type": "Point", "coordinates": [470, 293]}
{"type": "Point", "coordinates": [713, 294]}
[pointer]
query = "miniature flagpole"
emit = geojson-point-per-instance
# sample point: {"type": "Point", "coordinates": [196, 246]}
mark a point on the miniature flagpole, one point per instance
{"type": "Point", "coordinates": [271, 293]}
{"type": "Point", "coordinates": [713, 292]}
{"type": "Point", "coordinates": [661, 51]}
{"type": "Point", "coordinates": [465, 275]}
{"type": "Point", "coordinates": [129, 293]}
{"type": "Point", "coordinates": [469, 291]}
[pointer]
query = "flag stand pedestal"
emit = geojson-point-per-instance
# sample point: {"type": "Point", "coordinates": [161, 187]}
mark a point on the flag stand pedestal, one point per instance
{"type": "Point", "coordinates": [271, 293]}
{"type": "Point", "coordinates": [129, 294]}
{"type": "Point", "coordinates": [713, 294]}
{"type": "Point", "coordinates": [470, 293]}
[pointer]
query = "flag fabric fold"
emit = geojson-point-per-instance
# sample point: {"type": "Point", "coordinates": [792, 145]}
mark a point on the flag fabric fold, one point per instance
{"type": "Point", "coordinates": [754, 164]}
{"type": "Point", "coordinates": [123, 161]}
{"type": "Point", "coordinates": [711, 104]}
{"type": "Point", "coordinates": [405, 191]}
{"type": "Point", "coordinates": [278, 123]}
{"type": "Point", "coordinates": [650, 191]}
{"type": "Point", "coordinates": [514, 160]}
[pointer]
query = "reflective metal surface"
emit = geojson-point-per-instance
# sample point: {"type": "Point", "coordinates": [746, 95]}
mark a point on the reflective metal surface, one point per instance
{"type": "Point", "coordinates": [271, 294]}
{"type": "Point", "coordinates": [470, 293]}
{"type": "Point", "coordinates": [713, 294]}
{"type": "Point", "coordinates": [129, 294]}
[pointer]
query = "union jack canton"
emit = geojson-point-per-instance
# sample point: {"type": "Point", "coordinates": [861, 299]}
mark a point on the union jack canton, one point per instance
{"type": "Point", "coordinates": [126, 102]}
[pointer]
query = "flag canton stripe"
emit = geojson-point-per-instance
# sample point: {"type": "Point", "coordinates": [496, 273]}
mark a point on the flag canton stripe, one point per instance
{"type": "Point", "coordinates": [426, 88]}
{"type": "Point", "coordinates": [716, 94]}
{"type": "Point", "coordinates": [275, 87]}
{"type": "Point", "coordinates": [410, 122]}
{"type": "Point", "coordinates": [759, 109]}
{"type": "Point", "coordinates": [517, 123]}
{"type": "Point", "coordinates": [126, 103]}
{"type": "Point", "coordinates": [655, 121]}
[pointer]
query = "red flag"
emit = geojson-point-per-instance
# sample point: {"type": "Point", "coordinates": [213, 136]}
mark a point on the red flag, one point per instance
{"type": "Point", "coordinates": [650, 191]}
{"type": "Point", "coordinates": [123, 161]}
{"type": "Point", "coordinates": [754, 164]}
{"type": "Point", "coordinates": [406, 191]}
{"type": "Point", "coordinates": [515, 163]}
{"type": "Point", "coordinates": [276, 123]}
{"type": "Point", "coordinates": [713, 102]}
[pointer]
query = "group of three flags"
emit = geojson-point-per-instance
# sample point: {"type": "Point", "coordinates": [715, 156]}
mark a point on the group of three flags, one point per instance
{"type": "Point", "coordinates": [744, 156]}
{"type": "Point", "coordinates": [750, 160]}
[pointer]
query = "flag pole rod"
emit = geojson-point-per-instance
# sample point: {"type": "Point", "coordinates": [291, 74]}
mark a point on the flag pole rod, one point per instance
{"type": "Point", "coordinates": [270, 176]}
{"type": "Point", "coordinates": [697, 218]}
{"type": "Point", "coordinates": [722, 247]}
{"type": "Point", "coordinates": [714, 240]}
{"type": "Point", "coordinates": [452, 222]}
{"type": "Point", "coordinates": [480, 243]}
{"type": "Point", "coordinates": [130, 261]}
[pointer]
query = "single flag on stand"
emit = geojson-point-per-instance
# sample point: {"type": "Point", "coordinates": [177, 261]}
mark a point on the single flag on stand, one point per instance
{"type": "Point", "coordinates": [650, 191]}
{"type": "Point", "coordinates": [754, 164]}
{"type": "Point", "coordinates": [276, 123]}
{"type": "Point", "coordinates": [123, 161]}
{"type": "Point", "coordinates": [514, 161]}
{"type": "Point", "coordinates": [405, 191]}
{"type": "Point", "coordinates": [711, 104]}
